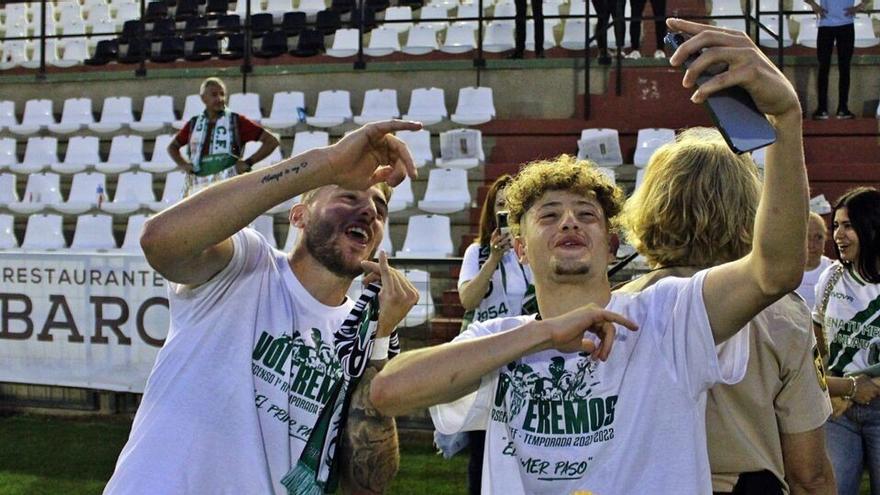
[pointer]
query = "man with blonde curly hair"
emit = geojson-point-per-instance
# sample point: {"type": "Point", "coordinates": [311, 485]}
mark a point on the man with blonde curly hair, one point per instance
{"type": "Point", "coordinates": [564, 413]}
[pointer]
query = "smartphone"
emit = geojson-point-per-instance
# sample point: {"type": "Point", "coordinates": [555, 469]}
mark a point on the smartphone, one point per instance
{"type": "Point", "coordinates": [733, 111]}
{"type": "Point", "coordinates": [501, 221]}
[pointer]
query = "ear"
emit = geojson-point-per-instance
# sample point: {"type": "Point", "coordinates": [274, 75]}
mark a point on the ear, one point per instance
{"type": "Point", "coordinates": [519, 247]}
{"type": "Point", "coordinates": [298, 215]}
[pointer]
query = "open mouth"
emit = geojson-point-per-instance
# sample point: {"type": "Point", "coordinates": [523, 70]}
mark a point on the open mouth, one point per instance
{"type": "Point", "coordinates": [358, 234]}
{"type": "Point", "coordinates": [570, 242]}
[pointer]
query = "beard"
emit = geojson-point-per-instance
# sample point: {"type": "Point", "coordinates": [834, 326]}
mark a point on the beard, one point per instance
{"type": "Point", "coordinates": [570, 268]}
{"type": "Point", "coordinates": [319, 242]}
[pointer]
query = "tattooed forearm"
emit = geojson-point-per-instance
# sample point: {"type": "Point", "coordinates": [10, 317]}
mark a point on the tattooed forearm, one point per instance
{"type": "Point", "coordinates": [369, 454]}
{"type": "Point", "coordinates": [276, 176]}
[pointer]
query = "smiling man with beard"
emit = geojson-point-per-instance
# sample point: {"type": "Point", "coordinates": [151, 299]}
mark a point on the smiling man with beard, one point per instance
{"type": "Point", "coordinates": [251, 357]}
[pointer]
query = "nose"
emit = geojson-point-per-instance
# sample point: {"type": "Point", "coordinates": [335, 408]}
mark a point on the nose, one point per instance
{"type": "Point", "coordinates": [568, 220]}
{"type": "Point", "coordinates": [367, 209]}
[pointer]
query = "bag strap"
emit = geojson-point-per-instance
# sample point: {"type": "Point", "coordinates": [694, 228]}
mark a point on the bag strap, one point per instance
{"type": "Point", "coordinates": [823, 306]}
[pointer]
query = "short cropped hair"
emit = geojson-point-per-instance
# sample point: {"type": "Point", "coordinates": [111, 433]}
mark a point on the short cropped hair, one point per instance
{"type": "Point", "coordinates": [309, 195]}
{"type": "Point", "coordinates": [697, 204]}
{"type": "Point", "coordinates": [211, 81]}
{"type": "Point", "coordinates": [563, 173]}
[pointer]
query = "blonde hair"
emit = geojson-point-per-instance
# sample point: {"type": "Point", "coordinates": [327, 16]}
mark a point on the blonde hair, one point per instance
{"type": "Point", "coordinates": [211, 81]}
{"type": "Point", "coordinates": [309, 195]}
{"type": "Point", "coordinates": [563, 173]}
{"type": "Point", "coordinates": [697, 204]}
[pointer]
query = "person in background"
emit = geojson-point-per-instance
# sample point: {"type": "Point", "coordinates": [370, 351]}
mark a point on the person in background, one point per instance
{"type": "Point", "coordinates": [609, 10]}
{"type": "Point", "coordinates": [215, 140]}
{"type": "Point", "coordinates": [817, 262]}
{"type": "Point", "coordinates": [635, 27]}
{"type": "Point", "coordinates": [848, 313]}
{"type": "Point", "coordinates": [764, 433]}
{"type": "Point", "coordinates": [520, 24]}
{"type": "Point", "coordinates": [492, 284]}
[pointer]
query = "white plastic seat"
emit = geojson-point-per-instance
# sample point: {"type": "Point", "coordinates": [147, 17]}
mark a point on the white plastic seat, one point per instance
{"type": "Point", "coordinates": [8, 155]}
{"type": "Point", "coordinates": [42, 190]}
{"type": "Point", "coordinates": [126, 152]}
{"type": "Point", "coordinates": [736, 24]}
{"type": "Point", "coordinates": [247, 104]}
{"type": "Point", "coordinates": [549, 38]}
{"type": "Point", "coordinates": [8, 190]}
{"type": "Point", "coordinates": [115, 114]}
{"type": "Point", "coordinates": [726, 7]}
{"type": "Point", "coordinates": [311, 8]}
{"type": "Point", "coordinates": [133, 192]}
{"type": "Point", "coordinates": [475, 106]}
{"type": "Point", "coordinates": [574, 32]}
{"type": "Point", "coordinates": [808, 31]}
{"type": "Point", "coordinates": [609, 172]}
{"type": "Point", "coordinates": [7, 114]}
{"type": "Point", "coordinates": [602, 146]}
{"type": "Point", "coordinates": [88, 191]}
{"type": "Point", "coordinates": [36, 13]}
{"type": "Point", "coordinates": [40, 154]}
{"type": "Point", "coordinates": [304, 141]}
{"type": "Point", "coordinates": [403, 196]}
{"type": "Point", "coordinates": [44, 232]}
{"type": "Point", "coordinates": [648, 141]}
{"type": "Point", "coordinates": [398, 14]}
{"type": "Point", "coordinates": [103, 29]}
{"type": "Point", "coordinates": [193, 105]}
{"type": "Point", "coordinates": [421, 40]}
{"type": "Point", "coordinates": [69, 11]}
{"type": "Point", "coordinates": [175, 182]}
{"type": "Point", "coordinates": [386, 244]}
{"type": "Point", "coordinates": [77, 114]}
{"type": "Point", "coordinates": [498, 37]}
{"type": "Point", "coordinates": [427, 105]}
{"type": "Point", "coordinates": [461, 148]}
{"type": "Point", "coordinates": [132, 241]}
{"type": "Point", "coordinates": [7, 232]}
{"type": "Point", "coordinates": [419, 144]}
{"type": "Point", "coordinates": [278, 8]}
{"type": "Point", "coordinates": [865, 37]}
{"type": "Point", "coordinates": [37, 115]}
{"type": "Point", "coordinates": [52, 58]}
{"type": "Point", "coordinates": [14, 54]}
{"type": "Point", "coordinates": [127, 11]}
{"type": "Point", "coordinates": [460, 38]}
{"type": "Point", "coordinates": [158, 112]}
{"type": "Point", "coordinates": [93, 233]}
{"type": "Point", "coordinates": [383, 41]}
{"type": "Point", "coordinates": [82, 154]}
{"type": "Point", "coordinates": [74, 52]}
{"type": "Point", "coordinates": [447, 191]}
{"type": "Point", "coordinates": [274, 157]}
{"type": "Point", "coordinates": [265, 225]}
{"type": "Point", "coordinates": [505, 8]}
{"type": "Point", "coordinates": [287, 106]}
{"type": "Point", "coordinates": [333, 109]}
{"type": "Point", "coordinates": [469, 11]}
{"type": "Point", "coordinates": [160, 162]}
{"type": "Point", "coordinates": [241, 7]}
{"type": "Point", "coordinates": [379, 104]}
{"type": "Point", "coordinates": [89, 5]}
{"type": "Point", "coordinates": [345, 43]}
{"type": "Point", "coordinates": [427, 236]}
{"type": "Point", "coordinates": [434, 12]}
{"type": "Point", "coordinates": [423, 310]}
{"type": "Point", "coordinates": [772, 23]}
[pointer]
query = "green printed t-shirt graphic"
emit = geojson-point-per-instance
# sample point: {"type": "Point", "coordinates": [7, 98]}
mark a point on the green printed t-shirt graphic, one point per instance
{"type": "Point", "coordinates": [213, 164]}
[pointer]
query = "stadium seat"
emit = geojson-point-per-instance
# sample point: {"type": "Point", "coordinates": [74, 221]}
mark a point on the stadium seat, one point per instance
{"type": "Point", "coordinates": [7, 232]}
{"type": "Point", "coordinates": [311, 7]}
{"type": "Point", "coordinates": [423, 310]}
{"type": "Point", "coordinates": [640, 178]}
{"type": "Point", "coordinates": [274, 157]}
{"type": "Point", "coordinates": [808, 31]}
{"type": "Point", "coordinates": [304, 141]}
{"type": "Point", "coordinates": [157, 113]}
{"type": "Point", "coordinates": [171, 48]}
{"type": "Point", "coordinates": [726, 7]}
{"type": "Point", "coordinates": [44, 232]}
{"type": "Point", "coordinates": [73, 26]}
{"type": "Point", "coordinates": [447, 191]}
{"type": "Point", "coordinates": [401, 14]}
{"type": "Point", "coordinates": [82, 154]}
{"type": "Point", "coordinates": [379, 104]}
{"type": "Point", "coordinates": [459, 39]}
{"type": "Point", "coordinates": [105, 52]}
{"type": "Point", "coordinates": [602, 146]}
{"type": "Point", "coordinates": [498, 37]}
{"type": "Point", "coordinates": [309, 44]}
{"type": "Point", "coordinates": [293, 23]}
{"type": "Point", "coordinates": [419, 144]}
{"type": "Point", "coordinates": [7, 114]}
{"type": "Point", "coordinates": [8, 154]}
{"type": "Point", "coordinates": [648, 141]}
{"type": "Point", "coordinates": [204, 47]}
{"type": "Point", "coordinates": [160, 162]}
{"type": "Point", "coordinates": [115, 115]}
{"type": "Point", "coordinates": [265, 225]}
{"type": "Point", "coordinates": [133, 192]}
{"type": "Point", "coordinates": [609, 172]}
{"type": "Point", "coordinates": [104, 30]}
{"type": "Point", "coordinates": [574, 34]}
{"type": "Point", "coordinates": [39, 155]}
{"type": "Point", "coordinates": [333, 109]}
{"type": "Point", "coordinates": [93, 233]}
{"type": "Point", "coordinates": [288, 110]}
{"type": "Point", "coordinates": [37, 116]}
{"type": "Point", "coordinates": [14, 54]}
{"type": "Point", "coordinates": [173, 192]}
{"type": "Point", "coordinates": [383, 41]}
{"type": "Point", "coordinates": [42, 190]}
{"type": "Point", "coordinates": [52, 57]}
{"type": "Point", "coordinates": [549, 38]}
{"type": "Point", "coordinates": [277, 8]}
{"type": "Point", "coordinates": [69, 11]}
{"type": "Point", "coordinates": [247, 104]}
{"type": "Point", "coordinates": [467, 11]}
{"type": "Point", "coordinates": [8, 191]}
{"type": "Point", "coordinates": [132, 241]}
{"type": "Point", "coordinates": [475, 106]}
{"type": "Point", "coordinates": [421, 40]}
{"type": "Point", "coordinates": [427, 236]}
{"type": "Point", "coordinates": [192, 106]}
{"type": "Point", "coordinates": [427, 105]}
{"type": "Point", "coordinates": [126, 152]}
{"type": "Point", "coordinates": [345, 43]}
{"type": "Point", "coordinates": [272, 44]}
{"type": "Point", "coordinates": [77, 115]}
{"type": "Point", "coordinates": [461, 148]}
{"type": "Point", "coordinates": [127, 11]}
{"type": "Point", "coordinates": [505, 8]}
{"type": "Point", "coordinates": [99, 16]}
{"type": "Point", "coordinates": [187, 9]}
{"type": "Point", "coordinates": [233, 49]}
{"type": "Point", "coordinates": [865, 37]}
{"type": "Point", "coordinates": [241, 7]}
{"type": "Point", "coordinates": [434, 12]}
{"type": "Point", "coordinates": [88, 191]}
{"type": "Point", "coordinates": [403, 197]}
{"type": "Point", "coordinates": [74, 52]}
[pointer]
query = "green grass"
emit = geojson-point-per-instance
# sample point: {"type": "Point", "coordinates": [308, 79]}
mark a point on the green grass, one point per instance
{"type": "Point", "coordinates": [41, 455]}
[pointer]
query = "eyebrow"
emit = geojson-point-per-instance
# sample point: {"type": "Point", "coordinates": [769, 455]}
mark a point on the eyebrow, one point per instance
{"type": "Point", "coordinates": [580, 202]}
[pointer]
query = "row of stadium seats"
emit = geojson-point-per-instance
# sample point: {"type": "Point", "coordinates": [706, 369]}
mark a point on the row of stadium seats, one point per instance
{"type": "Point", "coordinates": [427, 105]}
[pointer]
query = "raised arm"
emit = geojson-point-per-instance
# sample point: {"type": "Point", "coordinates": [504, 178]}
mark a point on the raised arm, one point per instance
{"type": "Point", "coordinates": [190, 242]}
{"type": "Point", "coordinates": [735, 292]}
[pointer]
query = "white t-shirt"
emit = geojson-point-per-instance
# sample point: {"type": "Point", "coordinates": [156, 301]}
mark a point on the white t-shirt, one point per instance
{"type": "Point", "coordinates": [852, 321]}
{"type": "Point", "coordinates": [501, 299]}
{"type": "Point", "coordinates": [635, 424]}
{"type": "Point", "coordinates": [238, 385]}
{"type": "Point", "coordinates": [807, 290]}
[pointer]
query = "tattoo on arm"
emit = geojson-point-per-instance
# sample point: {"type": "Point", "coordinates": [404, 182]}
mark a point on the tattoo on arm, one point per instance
{"type": "Point", "coordinates": [276, 176]}
{"type": "Point", "coordinates": [369, 454]}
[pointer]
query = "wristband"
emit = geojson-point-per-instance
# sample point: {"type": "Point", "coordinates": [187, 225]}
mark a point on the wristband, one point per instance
{"type": "Point", "coordinates": [855, 387]}
{"type": "Point", "coordinates": [380, 348]}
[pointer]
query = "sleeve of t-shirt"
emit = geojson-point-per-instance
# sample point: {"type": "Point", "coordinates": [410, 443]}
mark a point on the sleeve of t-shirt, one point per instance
{"type": "Point", "coordinates": [248, 130]}
{"type": "Point", "coordinates": [182, 136]}
{"type": "Point", "coordinates": [469, 264]}
{"type": "Point", "coordinates": [470, 412]}
{"type": "Point", "coordinates": [685, 336]}
{"type": "Point", "coordinates": [802, 404]}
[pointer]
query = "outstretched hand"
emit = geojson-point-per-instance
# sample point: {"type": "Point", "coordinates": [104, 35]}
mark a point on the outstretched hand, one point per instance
{"type": "Point", "coordinates": [746, 65]}
{"type": "Point", "coordinates": [397, 296]}
{"type": "Point", "coordinates": [372, 154]}
{"type": "Point", "coordinates": [567, 332]}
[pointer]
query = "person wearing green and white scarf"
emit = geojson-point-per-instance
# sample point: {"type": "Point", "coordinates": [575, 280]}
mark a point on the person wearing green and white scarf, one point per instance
{"type": "Point", "coordinates": [215, 139]}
